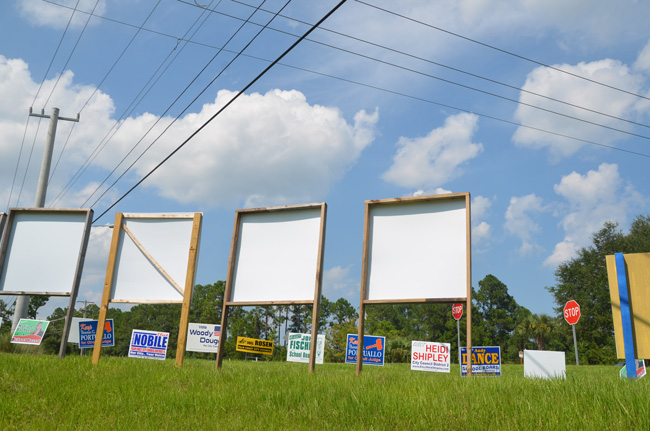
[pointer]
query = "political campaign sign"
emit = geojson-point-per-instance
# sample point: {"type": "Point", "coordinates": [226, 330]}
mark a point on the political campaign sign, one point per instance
{"type": "Point", "coordinates": [88, 330]}
{"type": "Point", "coordinates": [299, 345]}
{"type": "Point", "coordinates": [148, 344]}
{"type": "Point", "coordinates": [203, 337]}
{"type": "Point", "coordinates": [430, 356]}
{"type": "Point", "coordinates": [373, 349]}
{"type": "Point", "coordinates": [486, 361]}
{"type": "Point", "coordinates": [29, 331]}
{"type": "Point", "coordinates": [640, 369]}
{"type": "Point", "coordinates": [252, 345]}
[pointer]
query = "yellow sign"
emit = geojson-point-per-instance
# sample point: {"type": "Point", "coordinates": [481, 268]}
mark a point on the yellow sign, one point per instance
{"type": "Point", "coordinates": [252, 345]}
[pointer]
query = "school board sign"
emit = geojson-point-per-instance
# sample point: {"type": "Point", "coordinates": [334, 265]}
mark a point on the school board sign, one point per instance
{"type": "Point", "coordinates": [29, 331]}
{"type": "Point", "coordinates": [373, 349]}
{"type": "Point", "coordinates": [88, 331]}
{"type": "Point", "coordinates": [202, 337]}
{"type": "Point", "coordinates": [299, 347]}
{"type": "Point", "coordinates": [148, 344]}
{"type": "Point", "coordinates": [486, 361]}
{"type": "Point", "coordinates": [430, 356]}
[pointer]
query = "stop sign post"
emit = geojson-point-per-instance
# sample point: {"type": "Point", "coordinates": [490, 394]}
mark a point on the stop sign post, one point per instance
{"type": "Point", "coordinates": [457, 312]}
{"type": "Point", "coordinates": [572, 315]}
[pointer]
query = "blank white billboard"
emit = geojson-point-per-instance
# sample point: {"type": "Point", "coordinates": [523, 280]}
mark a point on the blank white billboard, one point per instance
{"type": "Point", "coordinates": [277, 256]}
{"type": "Point", "coordinates": [158, 244]}
{"type": "Point", "coordinates": [418, 249]}
{"type": "Point", "coordinates": [42, 250]}
{"type": "Point", "coordinates": [544, 364]}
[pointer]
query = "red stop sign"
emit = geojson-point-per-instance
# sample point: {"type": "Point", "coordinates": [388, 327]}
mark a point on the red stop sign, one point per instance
{"type": "Point", "coordinates": [457, 311]}
{"type": "Point", "coordinates": [572, 312]}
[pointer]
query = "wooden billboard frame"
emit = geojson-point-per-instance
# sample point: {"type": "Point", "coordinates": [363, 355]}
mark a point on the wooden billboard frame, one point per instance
{"type": "Point", "coordinates": [5, 234]}
{"type": "Point", "coordinates": [369, 204]}
{"type": "Point", "coordinates": [118, 228]}
{"type": "Point", "coordinates": [318, 276]}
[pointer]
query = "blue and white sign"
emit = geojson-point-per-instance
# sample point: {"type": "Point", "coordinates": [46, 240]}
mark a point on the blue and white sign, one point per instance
{"type": "Point", "coordinates": [373, 349]}
{"type": "Point", "coordinates": [486, 361]}
{"type": "Point", "coordinates": [203, 337]}
{"type": "Point", "coordinates": [148, 344]}
{"type": "Point", "coordinates": [88, 330]}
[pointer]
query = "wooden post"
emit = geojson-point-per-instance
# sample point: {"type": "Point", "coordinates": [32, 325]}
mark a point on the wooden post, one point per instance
{"type": "Point", "coordinates": [76, 282]}
{"type": "Point", "coordinates": [469, 284]}
{"type": "Point", "coordinates": [108, 285]}
{"type": "Point", "coordinates": [228, 292]}
{"type": "Point", "coordinates": [364, 286]}
{"type": "Point", "coordinates": [189, 285]}
{"type": "Point", "coordinates": [317, 291]}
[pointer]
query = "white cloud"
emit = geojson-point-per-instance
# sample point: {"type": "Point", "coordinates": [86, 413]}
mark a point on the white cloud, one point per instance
{"type": "Point", "coordinates": [592, 199]}
{"type": "Point", "coordinates": [338, 282]}
{"type": "Point", "coordinates": [266, 149]}
{"type": "Point", "coordinates": [520, 223]}
{"type": "Point", "coordinates": [432, 160]}
{"type": "Point", "coordinates": [436, 191]}
{"type": "Point", "coordinates": [481, 230]}
{"type": "Point", "coordinates": [582, 93]}
{"type": "Point", "coordinates": [480, 207]}
{"type": "Point", "coordinates": [642, 62]}
{"type": "Point", "coordinates": [481, 233]}
{"type": "Point", "coordinates": [44, 14]}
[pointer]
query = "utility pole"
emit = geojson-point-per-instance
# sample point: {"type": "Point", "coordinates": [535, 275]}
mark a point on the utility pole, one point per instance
{"type": "Point", "coordinates": [22, 302]}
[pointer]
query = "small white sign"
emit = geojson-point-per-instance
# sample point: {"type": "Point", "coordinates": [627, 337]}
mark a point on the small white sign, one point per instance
{"type": "Point", "coordinates": [544, 364]}
{"type": "Point", "coordinates": [299, 345]}
{"type": "Point", "coordinates": [203, 337]}
{"type": "Point", "coordinates": [430, 356]}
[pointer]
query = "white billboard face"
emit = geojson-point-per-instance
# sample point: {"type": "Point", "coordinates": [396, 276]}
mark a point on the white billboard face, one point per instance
{"type": "Point", "coordinates": [203, 337]}
{"type": "Point", "coordinates": [277, 256]}
{"type": "Point", "coordinates": [42, 252]}
{"type": "Point", "coordinates": [298, 348]}
{"type": "Point", "coordinates": [167, 241]}
{"type": "Point", "coordinates": [418, 250]}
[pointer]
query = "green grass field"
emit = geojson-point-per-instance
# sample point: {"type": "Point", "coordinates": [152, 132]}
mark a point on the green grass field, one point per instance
{"type": "Point", "coordinates": [45, 393]}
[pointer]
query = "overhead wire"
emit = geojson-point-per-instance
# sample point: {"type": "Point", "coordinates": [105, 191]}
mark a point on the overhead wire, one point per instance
{"type": "Point", "coordinates": [539, 63]}
{"type": "Point", "coordinates": [442, 65]}
{"type": "Point", "coordinates": [22, 144]}
{"type": "Point", "coordinates": [223, 108]}
{"type": "Point", "coordinates": [117, 125]}
{"type": "Point", "coordinates": [171, 105]}
{"type": "Point", "coordinates": [105, 76]}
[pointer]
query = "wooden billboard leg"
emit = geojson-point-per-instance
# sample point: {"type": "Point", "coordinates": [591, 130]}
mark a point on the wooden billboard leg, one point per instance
{"type": "Point", "coordinates": [314, 338]}
{"type": "Point", "coordinates": [469, 336]}
{"type": "Point", "coordinates": [108, 285]}
{"type": "Point", "coordinates": [222, 337]}
{"type": "Point", "coordinates": [187, 292]}
{"type": "Point", "coordinates": [360, 339]}
{"type": "Point", "coordinates": [317, 290]}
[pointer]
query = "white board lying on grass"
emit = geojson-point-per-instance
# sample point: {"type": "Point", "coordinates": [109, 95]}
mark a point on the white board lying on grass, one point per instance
{"type": "Point", "coordinates": [544, 364]}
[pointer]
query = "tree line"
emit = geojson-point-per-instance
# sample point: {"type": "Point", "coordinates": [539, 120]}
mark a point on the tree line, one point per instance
{"type": "Point", "coordinates": [497, 319]}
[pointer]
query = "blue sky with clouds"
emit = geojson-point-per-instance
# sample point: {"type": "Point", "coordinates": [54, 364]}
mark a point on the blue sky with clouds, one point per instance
{"type": "Point", "coordinates": [387, 99]}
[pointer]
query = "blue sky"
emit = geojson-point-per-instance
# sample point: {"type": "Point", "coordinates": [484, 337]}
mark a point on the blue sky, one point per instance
{"type": "Point", "coordinates": [367, 108]}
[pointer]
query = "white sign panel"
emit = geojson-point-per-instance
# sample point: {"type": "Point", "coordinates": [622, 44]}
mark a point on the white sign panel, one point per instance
{"type": "Point", "coordinates": [167, 241]}
{"type": "Point", "coordinates": [544, 364]}
{"type": "Point", "coordinates": [277, 256]}
{"type": "Point", "coordinates": [421, 247]}
{"type": "Point", "coordinates": [430, 356]}
{"type": "Point", "coordinates": [298, 348]}
{"type": "Point", "coordinates": [203, 337]}
{"type": "Point", "coordinates": [42, 251]}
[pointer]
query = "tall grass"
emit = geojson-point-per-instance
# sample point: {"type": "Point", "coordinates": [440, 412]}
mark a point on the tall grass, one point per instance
{"type": "Point", "coordinates": [43, 392]}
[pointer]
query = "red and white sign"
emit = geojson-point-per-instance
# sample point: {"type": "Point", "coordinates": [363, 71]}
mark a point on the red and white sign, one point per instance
{"type": "Point", "coordinates": [572, 312]}
{"type": "Point", "coordinates": [429, 356]}
{"type": "Point", "coordinates": [457, 311]}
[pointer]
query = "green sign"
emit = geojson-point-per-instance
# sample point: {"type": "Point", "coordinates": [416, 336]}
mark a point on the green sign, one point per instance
{"type": "Point", "coordinates": [30, 331]}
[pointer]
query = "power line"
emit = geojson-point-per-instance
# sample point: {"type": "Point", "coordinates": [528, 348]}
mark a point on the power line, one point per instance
{"type": "Point", "coordinates": [172, 104]}
{"type": "Point", "coordinates": [35, 97]}
{"type": "Point", "coordinates": [242, 91]}
{"type": "Point", "coordinates": [74, 48]}
{"type": "Point", "coordinates": [133, 105]}
{"type": "Point", "coordinates": [502, 50]}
